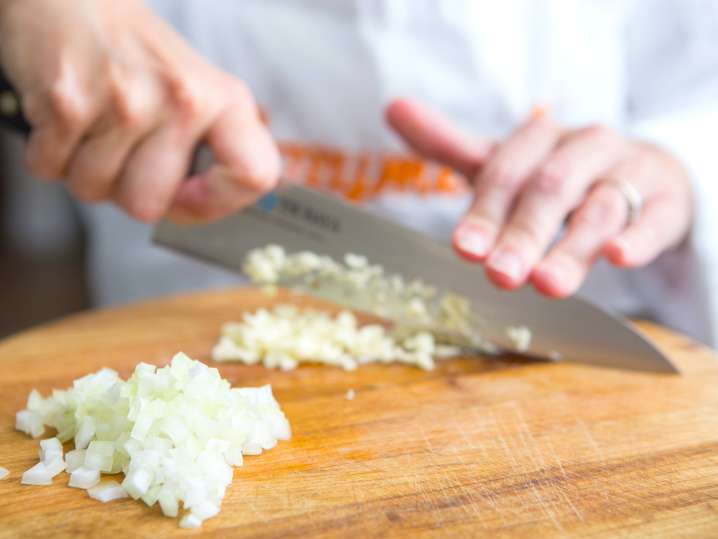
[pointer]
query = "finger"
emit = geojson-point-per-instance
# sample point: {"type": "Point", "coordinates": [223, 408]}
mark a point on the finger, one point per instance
{"type": "Point", "coordinates": [153, 172]}
{"type": "Point", "coordinates": [600, 218]}
{"type": "Point", "coordinates": [59, 117]}
{"type": "Point", "coordinates": [247, 166]}
{"type": "Point", "coordinates": [655, 231]}
{"type": "Point", "coordinates": [666, 213]}
{"type": "Point", "coordinates": [433, 136]}
{"type": "Point", "coordinates": [506, 171]}
{"type": "Point", "coordinates": [96, 164]}
{"type": "Point", "coordinates": [555, 189]}
{"type": "Point", "coordinates": [98, 161]}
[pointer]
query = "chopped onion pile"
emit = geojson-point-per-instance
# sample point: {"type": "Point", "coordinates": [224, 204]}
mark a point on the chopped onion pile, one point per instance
{"type": "Point", "coordinates": [413, 306]}
{"type": "Point", "coordinates": [285, 336]}
{"type": "Point", "coordinates": [175, 432]}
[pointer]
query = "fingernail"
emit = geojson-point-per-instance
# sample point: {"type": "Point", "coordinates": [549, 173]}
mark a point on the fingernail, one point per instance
{"type": "Point", "coordinates": [507, 263]}
{"type": "Point", "coordinates": [471, 240]}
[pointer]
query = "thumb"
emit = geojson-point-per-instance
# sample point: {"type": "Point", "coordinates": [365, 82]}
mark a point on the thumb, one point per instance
{"type": "Point", "coordinates": [246, 165]}
{"type": "Point", "coordinates": [433, 136]}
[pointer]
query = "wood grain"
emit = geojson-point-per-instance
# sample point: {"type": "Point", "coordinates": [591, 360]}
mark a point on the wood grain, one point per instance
{"type": "Point", "coordinates": [476, 448]}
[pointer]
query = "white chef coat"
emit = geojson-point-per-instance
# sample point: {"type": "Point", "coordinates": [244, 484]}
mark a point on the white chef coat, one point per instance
{"type": "Point", "coordinates": [325, 70]}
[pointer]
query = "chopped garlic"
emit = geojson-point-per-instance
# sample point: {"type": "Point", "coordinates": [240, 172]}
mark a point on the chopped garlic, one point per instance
{"type": "Point", "coordinates": [175, 432]}
{"type": "Point", "coordinates": [286, 336]}
{"type": "Point", "coordinates": [4, 472]}
{"type": "Point", "coordinates": [520, 336]}
{"type": "Point", "coordinates": [411, 305]}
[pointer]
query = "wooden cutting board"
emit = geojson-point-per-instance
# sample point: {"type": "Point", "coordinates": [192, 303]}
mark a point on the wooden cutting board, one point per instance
{"type": "Point", "coordinates": [477, 447]}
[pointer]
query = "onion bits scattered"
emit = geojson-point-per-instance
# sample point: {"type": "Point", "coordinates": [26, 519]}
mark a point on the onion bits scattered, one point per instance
{"type": "Point", "coordinates": [175, 432]}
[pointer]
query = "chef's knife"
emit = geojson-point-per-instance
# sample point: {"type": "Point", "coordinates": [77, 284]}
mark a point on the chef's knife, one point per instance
{"type": "Point", "coordinates": [303, 219]}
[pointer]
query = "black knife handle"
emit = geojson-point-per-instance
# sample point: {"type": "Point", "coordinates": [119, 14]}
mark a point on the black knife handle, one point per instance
{"type": "Point", "coordinates": [11, 115]}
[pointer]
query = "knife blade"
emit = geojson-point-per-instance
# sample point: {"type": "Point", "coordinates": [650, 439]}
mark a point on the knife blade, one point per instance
{"type": "Point", "coordinates": [305, 219]}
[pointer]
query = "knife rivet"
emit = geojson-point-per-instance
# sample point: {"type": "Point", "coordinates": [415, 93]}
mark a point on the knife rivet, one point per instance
{"type": "Point", "coordinates": [9, 105]}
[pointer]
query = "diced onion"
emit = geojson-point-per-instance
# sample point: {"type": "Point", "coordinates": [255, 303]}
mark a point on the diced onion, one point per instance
{"type": "Point", "coordinates": [4, 472]}
{"type": "Point", "coordinates": [50, 450]}
{"type": "Point", "coordinates": [84, 478]}
{"type": "Point", "coordinates": [190, 521]}
{"type": "Point", "coordinates": [42, 473]}
{"type": "Point", "coordinates": [37, 475]}
{"type": "Point", "coordinates": [75, 459]}
{"type": "Point", "coordinates": [107, 491]}
{"type": "Point", "coordinates": [98, 456]}
{"type": "Point", "coordinates": [175, 432]}
{"type": "Point", "coordinates": [29, 422]}
{"type": "Point", "coordinates": [137, 482]}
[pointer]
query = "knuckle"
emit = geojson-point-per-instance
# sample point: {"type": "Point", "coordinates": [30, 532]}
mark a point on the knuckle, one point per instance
{"type": "Point", "coordinates": [595, 131]}
{"type": "Point", "coordinates": [67, 105]}
{"type": "Point", "coordinates": [188, 99]}
{"type": "Point", "coordinates": [503, 177]}
{"type": "Point", "coordinates": [526, 233]}
{"type": "Point", "coordinates": [551, 178]}
{"type": "Point", "coordinates": [130, 102]}
{"type": "Point", "coordinates": [604, 209]}
{"type": "Point", "coordinates": [238, 97]}
{"type": "Point", "coordinates": [600, 133]}
{"type": "Point", "coordinates": [240, 92]}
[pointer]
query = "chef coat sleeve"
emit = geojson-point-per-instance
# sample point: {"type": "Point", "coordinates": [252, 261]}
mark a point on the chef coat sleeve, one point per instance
{"type": "Point", "coordinates": [672, 87]}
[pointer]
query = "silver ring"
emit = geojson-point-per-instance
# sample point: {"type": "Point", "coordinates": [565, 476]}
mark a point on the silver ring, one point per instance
{"type": "Point", "coordinates": [633, 197]}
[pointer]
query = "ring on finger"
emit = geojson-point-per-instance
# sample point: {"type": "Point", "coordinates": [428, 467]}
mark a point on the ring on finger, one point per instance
{"type": "Point", "coordinates": [632, 196]}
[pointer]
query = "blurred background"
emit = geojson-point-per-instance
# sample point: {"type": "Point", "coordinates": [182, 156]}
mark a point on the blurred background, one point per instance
{"type": "Point", "coordinates": [42, 273]}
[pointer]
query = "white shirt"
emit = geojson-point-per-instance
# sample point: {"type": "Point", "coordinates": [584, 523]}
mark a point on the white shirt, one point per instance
{"type": "Point", "coordinates": [325, 70]}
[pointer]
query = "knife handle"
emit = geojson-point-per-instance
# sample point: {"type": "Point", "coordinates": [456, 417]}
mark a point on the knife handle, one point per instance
{"type": "Point", "coordinates": [11, 115]}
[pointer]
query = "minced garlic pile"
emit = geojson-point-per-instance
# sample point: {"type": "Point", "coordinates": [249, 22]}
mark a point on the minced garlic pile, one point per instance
{"type": "Point", "coordinates": [425, 324]}
{"type": "Point", "coordinates": [285, 336]}
{"type": "Point", "coordinates": [412, 305]}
